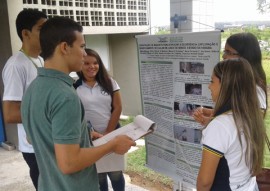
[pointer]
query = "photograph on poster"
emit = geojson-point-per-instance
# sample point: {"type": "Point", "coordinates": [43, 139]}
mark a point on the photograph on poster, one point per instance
{"type": "Point", "coordinates": [187, 134]}
{"type": "Point", "coordinates": [184, 109]}
{"type": "Point", "coordinates": [191, 67]}
{"type": "Point", "coordinates": [193, 89]}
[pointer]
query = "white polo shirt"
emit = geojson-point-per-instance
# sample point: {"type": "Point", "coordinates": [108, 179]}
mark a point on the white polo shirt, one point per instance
{"type": "Point", "coordinates": [261, 97]}
{"type": "Point", "coordinates": [18, 73]}
{"type": "Point", "coordinates": [220, 138]}
{"type": "Point", "coordinates": [97, 104]}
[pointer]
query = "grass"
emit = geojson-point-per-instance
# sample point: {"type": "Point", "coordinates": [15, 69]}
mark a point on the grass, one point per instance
{"type": "Point", "coordinates": [126, 121]}
{"type": "Point", "coordinates": [266, 67]}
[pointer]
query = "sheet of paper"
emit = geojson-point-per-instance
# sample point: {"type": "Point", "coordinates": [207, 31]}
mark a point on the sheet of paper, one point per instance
{"type": "Point", "coordinates": [137, 129]}
{"type": "Point", "coordinates": [111, 162]}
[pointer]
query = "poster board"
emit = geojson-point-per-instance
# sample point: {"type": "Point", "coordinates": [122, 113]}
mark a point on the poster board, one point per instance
{"type": "Point", "coordinates": [175, 71]}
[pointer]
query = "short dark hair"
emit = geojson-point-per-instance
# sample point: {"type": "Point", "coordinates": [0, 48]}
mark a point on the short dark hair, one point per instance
{"type": "Point", "coordinates": [26, 19]}
{"type": "Point", "coordinates": [57, 30]}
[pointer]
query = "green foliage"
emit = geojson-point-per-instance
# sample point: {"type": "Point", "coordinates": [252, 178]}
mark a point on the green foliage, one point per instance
{"type": "Point", "coordinates": [126, 121]}
{"type": "Point", "coordinates": [260, 34]}
{"type": "Point", "coordinates": [266, 55]}
{"type": "Point", "coordinates": [266, 67]}
{"type": "Point", "coordinates": [263, 6]}
{"type": "Point", "coordinates": [267, 153]}
{"type": "Point", "coordinates": [136, 160]}
{"type": "Point", "coordinates": [265, 34]}
{"type": "Point", "coordinates": [163, 31]}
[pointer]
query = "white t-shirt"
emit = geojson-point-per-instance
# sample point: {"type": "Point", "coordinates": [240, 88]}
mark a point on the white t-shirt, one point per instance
{"type": "Point", "coordinates": [18, 73]}
{"type": "Point", "coordinates": [97, 104]}
{"type": "Point", "coordinates": [220, 138]}
{"type": "Point", "coordinates": [261, 97]}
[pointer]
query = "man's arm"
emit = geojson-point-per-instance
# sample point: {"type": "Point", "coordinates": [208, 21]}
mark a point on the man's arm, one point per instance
{"type": "Point", "coordinates": [72, 158]}
{"type": "Point", "coordinates": [12, 111]}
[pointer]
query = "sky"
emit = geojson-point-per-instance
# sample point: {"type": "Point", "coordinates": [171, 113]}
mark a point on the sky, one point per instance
{"type": "Point", "coordinates": [224, 10]}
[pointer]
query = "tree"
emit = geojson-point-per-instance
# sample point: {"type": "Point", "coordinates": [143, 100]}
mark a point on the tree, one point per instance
{"type": "Point", "coordinates": [162, 30]}
{"type": "Point", "coordinates": [264, 6]}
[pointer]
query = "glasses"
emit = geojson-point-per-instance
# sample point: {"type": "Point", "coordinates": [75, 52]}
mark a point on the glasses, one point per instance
{"type": "Point", "coordinates": [229, 53]}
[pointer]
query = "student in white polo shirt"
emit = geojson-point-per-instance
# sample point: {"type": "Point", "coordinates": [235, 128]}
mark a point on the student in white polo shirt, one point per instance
{"type": "Point", "coordinates": [233, 143]}
{"type": "Point", "coordinates": [19, 71]}
{"type": "Point", "coordinates": [101, 99]}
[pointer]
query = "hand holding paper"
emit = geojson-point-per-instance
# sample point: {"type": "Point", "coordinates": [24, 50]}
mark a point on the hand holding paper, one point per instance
{"type": "Point", "coordinates": [132, 131]}
{"type": "Point", "coordinates": [122, 144]}
{"type": "Point", "coordinates": [135, 130]}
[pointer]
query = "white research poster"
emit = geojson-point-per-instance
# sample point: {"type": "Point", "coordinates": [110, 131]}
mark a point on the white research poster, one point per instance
{"type": "Point", "coordinates": [175, 71]}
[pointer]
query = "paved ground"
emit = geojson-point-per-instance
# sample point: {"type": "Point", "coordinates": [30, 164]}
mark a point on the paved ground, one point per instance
{"type": "Point", "coordinates": [14, 174]}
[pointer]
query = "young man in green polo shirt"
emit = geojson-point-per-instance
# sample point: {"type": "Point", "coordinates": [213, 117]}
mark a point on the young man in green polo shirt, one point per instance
{"type": "Point", "coordinates": [54, 117]}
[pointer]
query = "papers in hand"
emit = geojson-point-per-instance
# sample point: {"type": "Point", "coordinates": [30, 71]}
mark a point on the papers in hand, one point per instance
{"type": "Point", "coordinates": [140, 127]}
{"type": "Point", "coordinates": [135, 130]}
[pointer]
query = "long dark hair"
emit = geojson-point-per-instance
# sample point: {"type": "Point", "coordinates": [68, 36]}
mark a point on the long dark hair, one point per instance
{"type": "Point", "coordinates": [102, 77]}
{"type": "Point", "coordinates": [247, 46]}
{"type": "Point", "coordinates": [238, 93]}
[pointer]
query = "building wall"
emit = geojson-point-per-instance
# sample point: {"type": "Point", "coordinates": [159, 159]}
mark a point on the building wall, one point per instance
{"type": "Point", "coordinates": [123, 49]}
{"type": "Point", "coordinates": [14, 7]}
{"type": "Point", "coordinates": [200, 15]}
{"type": "Point", "coordinates": [6, 50]}
{"type": "Point", "coordinates": [5, 45]}
{"type": "Point", "coordinates": [98, 16]}
{"type": "Point", "coordinates": [100, 44]}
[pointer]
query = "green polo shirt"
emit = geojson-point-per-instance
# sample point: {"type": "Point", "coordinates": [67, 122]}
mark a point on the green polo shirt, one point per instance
{"type": "Point", "coordinates": [52, 114]}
